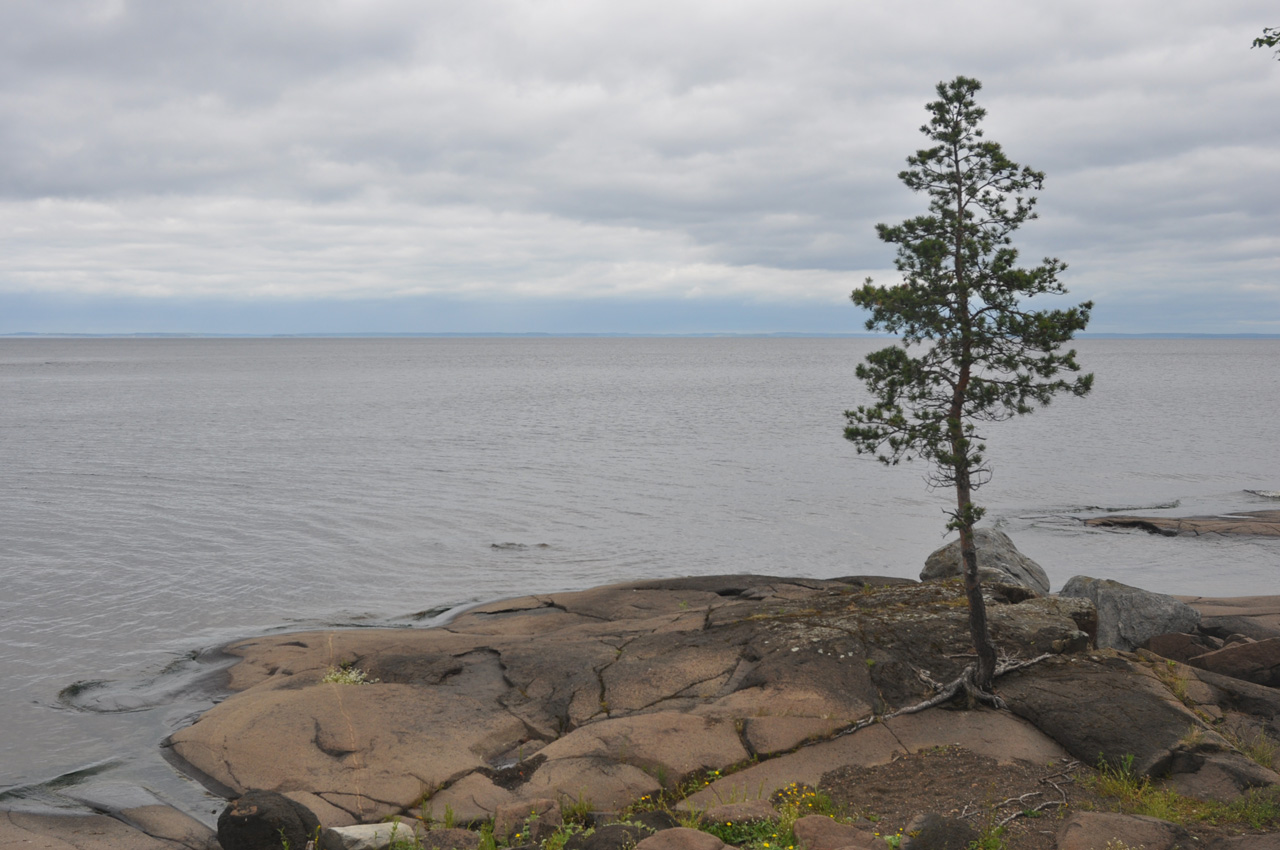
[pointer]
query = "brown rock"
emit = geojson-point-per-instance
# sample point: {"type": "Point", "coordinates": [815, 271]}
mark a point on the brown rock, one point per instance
{"type": "Point", "coordinates": [528, 821]}
{"type": "Point", "coordinates": [168, 823]}
{"type": "Point", "coordinates": [612, 689]}
{"type": "Point", "coordinates": [278, 739]}
{"type": "Point", "coordinates": [1257, 662]}
{"type": "Point", "coordinates": [607, 784]}
{"type": "Point", "coordinates": [1262, 523]}
{"type": "Point", "coordinates": [1092, 831]}
{"type": "Point", "coordinates": [772, 735]}
{"type": "Point", "coordinates": [815, 832]}
{"type": "Point", "coordinates": [25, 831]}
{"type": "Point", "coordinates": [1178, 646]}
{"type": "Point", "coordinates": [1221, 776]}
{"type": "Point", "coordinates": [1136, 715]}
{"type": "Point", "coordinates": [668, 745]}
{"type": "Point", "coordinates": [749, 811]}
{"type": "Point", "coordinates": [473, 797]}
{"type": "Point", "coordinates": [996, 734]}
{"type": "Point", "coordinates": [681, 838]}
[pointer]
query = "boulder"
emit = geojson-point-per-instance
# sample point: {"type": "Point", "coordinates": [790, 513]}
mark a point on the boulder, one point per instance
{"type": "Point", "coordinates": [1220, 776]}
{"type": "Point", "coordinates": [529, 821]}
{"type": "Point", "coordinates": [932, 831]}
{"type": "Point", "coordinates": [1094, 830]}
{"type": "Point", "coordinates": [1257, 662]}
{"type": "Point", "coordinates": [264, 820]}
{"type": "Point", "coordinates": [1128, 616]}
{"type": "Point", "coordinates": [1178, 646]}
{"type": "Point", "coordinates": [1136, 716]}
{"type": "Point", "coordinates": [816, 832]}
{"type": "Point", "coordinates": [999, 561]}
{"type": "Point", "coordinates": [1225, 626]}
{"type": "Point", "coordinates": [681, 839]}
{"type": "Point", "coordinates": [748, 811]}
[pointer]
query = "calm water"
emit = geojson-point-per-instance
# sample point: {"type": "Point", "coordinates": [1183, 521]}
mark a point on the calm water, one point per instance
{"type": "Point", "coordinates": [161, 497]}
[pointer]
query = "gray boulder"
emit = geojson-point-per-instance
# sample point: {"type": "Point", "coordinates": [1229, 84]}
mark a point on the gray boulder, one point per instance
{"type": "Point", "coordinates": [1128, 616]}
{"type": "Point", "coordinates": [999, 561]}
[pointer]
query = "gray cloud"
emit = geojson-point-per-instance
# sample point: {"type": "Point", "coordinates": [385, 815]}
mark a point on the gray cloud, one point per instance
{"type": "Point", "coordinates": [591, 150]}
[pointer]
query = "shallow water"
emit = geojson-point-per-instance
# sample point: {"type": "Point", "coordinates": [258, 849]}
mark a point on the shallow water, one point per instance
{"type": "Point", "coordinates": [162, 497]}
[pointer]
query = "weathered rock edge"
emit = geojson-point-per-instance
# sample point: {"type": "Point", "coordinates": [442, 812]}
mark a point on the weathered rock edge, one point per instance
{"type": "Point", "coordinates": [617, 692]}
{"type": "Point", "coordinates": [1261, 523]}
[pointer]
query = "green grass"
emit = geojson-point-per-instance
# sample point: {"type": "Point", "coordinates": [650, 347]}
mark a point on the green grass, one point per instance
{"type": "Point", "coordinates": [1257, 809]}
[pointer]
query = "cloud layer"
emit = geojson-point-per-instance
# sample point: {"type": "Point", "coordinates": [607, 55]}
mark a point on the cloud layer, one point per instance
{"type": "Point", "coordinates": [574, 152]}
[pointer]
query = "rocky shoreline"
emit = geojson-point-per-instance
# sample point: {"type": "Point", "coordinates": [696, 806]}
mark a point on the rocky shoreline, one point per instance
{"type": "Point", "coordinates": [742, 685]}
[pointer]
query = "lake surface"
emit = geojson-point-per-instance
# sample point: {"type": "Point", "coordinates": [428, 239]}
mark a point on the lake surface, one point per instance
{"type": "Point", "coordinates": [160, 498]}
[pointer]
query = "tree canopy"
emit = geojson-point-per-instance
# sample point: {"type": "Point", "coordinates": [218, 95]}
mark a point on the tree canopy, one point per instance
{"type": "Point", "coordinates": [970, 351]}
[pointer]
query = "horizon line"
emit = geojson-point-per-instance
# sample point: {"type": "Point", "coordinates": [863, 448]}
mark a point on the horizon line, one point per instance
{"type": "Point", "coordinates": [573, 335]}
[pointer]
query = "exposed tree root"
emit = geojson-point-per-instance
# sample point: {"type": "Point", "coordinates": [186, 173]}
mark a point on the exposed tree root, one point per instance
{"type": "Point", "coordinates": [965, 683]}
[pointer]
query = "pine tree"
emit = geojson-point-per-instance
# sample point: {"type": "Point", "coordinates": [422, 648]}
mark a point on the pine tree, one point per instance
{"type": "Point", "coordinates": [969, 350]}
{"type": "Point", "coordinates": [1270, 38]}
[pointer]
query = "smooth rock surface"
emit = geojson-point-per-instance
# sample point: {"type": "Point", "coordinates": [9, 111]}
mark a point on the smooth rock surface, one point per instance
{"type": "Point", "coordinates": [608, 693]}
{"type": "Point", "coordinates": [1133, 713]}
{"type": "Point", "coordinates": [1257, 662]}
{"type": "Point", "coordinates": [1093, 830]}
{"type": "Point", "coordinates": [748, 811]}
{"type": "Point", "coordinates": [1261, 523]}
{"type": "Point", "coordinates": [815, 832]}
{"type": "Point", "coordinates": [681, 838]}
{"type": "Point", "coordinates": [531, 820]}
{"type": "Point", "coordinates": [998, 560]}
{"type": "Point", "coordinates": [1178, 646]}
{"type": "Point", "coordinates": [1128, 616]}
{"type": "Point", "coordinates": [26, 831]}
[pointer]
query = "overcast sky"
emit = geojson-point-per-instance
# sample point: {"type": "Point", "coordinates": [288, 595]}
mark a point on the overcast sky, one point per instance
{"type": "Point", "coordinates": [692, 165]}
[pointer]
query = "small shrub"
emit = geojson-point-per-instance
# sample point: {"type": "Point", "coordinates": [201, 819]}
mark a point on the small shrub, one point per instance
{"type": "Point", "coordinates": [346, 674]}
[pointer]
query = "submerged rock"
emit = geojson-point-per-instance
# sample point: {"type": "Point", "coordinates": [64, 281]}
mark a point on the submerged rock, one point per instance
{"type": "Point", "coordinates": [1263, 523]}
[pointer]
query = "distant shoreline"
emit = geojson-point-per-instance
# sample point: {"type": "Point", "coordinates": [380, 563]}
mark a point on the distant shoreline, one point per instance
{"type": "Point", "coordinates": [546, 335]}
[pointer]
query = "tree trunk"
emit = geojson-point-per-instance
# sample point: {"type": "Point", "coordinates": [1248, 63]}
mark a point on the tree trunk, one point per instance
{"type": "Point", "coordinates": [982, 644]}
